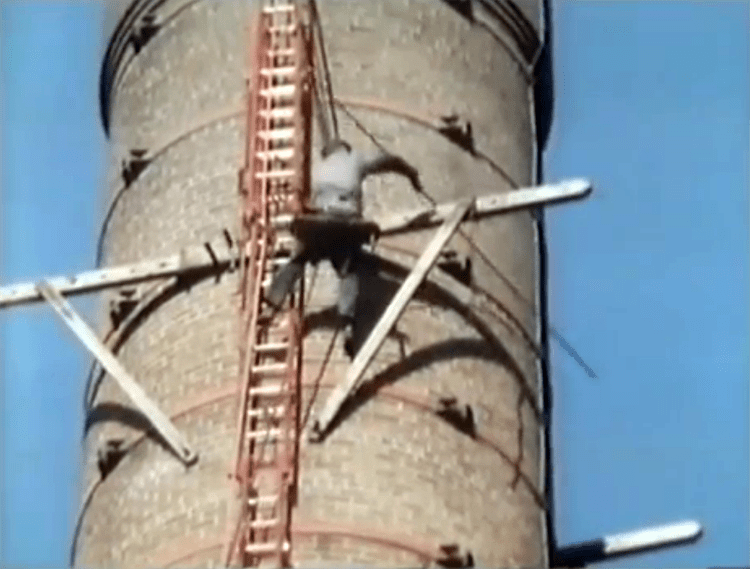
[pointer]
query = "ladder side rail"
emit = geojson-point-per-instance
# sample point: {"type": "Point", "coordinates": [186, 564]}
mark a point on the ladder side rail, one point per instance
{"type": "Point", "coordinates": [303, 142]}
{"type": "Point", "coordinates": [253, 85]}
{"type": "Point", "coordinates": [278, 190]}
{"type": "Point", "coordinates": [250, 213]}
{"type": "Point", "coordinates": [289, 202]}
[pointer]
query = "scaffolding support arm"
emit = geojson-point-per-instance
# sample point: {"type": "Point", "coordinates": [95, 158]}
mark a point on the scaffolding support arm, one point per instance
{"type": "Point", "coordinates": [191, 259]}
{"type": "Point", "coordinates": [628, 543]}
{"type": "Point", "coordinates": [109, 362]}
{"type": "Point", "coordinates": [390, 316]}
{"type": "Point", "coordinates": [491, 204]}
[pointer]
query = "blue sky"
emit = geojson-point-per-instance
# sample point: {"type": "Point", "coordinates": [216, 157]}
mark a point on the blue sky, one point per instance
{"type": "Point", "coordinates": [52, 151]}
{"type": "Point", "coordinates": [648, 279]}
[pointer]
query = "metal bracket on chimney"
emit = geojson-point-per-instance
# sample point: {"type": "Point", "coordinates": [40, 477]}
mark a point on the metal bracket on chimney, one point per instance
{"type": "Point", "coordinates": [134, 164]}
{"type": "Point", "coordinates": [145, 29]}
{"type": "Point", "coordinates": [455, 558]}
{"type": "Point", "coordinates": [125, 301]}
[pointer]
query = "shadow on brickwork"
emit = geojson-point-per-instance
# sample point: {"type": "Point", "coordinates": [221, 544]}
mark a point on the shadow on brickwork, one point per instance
{"type": "Point", "coordinates": [114, 451]}
{"type": "Point", "coordinates": [379, 284]}
{"type": "Point", "coordinates": [151, 301]}
{"type": "Point", "coordinates": [462, 420]}
{"type": "Point", "coordinates": [521, 32]}
{"type": "Point", "coordinates": [464, 7]}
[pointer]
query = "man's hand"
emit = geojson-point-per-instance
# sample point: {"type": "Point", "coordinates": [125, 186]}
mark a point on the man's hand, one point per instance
{"type": "Point", "coordinates": [390, 163]}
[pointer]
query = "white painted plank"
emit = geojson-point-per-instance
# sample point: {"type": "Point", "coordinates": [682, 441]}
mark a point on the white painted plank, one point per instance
{"type": "Point", "coordinates": [653, 537]}
{"type": "Point", "coordinates": [194, 258]}
{"type": "Point", "coordinates": [392, 313]}
{"type": "Point", "coordinates": [278, 91]}
{"type": "Point", "coordinates": [109, 362]}
{"type": "Point", "coordinates": [491, 204]}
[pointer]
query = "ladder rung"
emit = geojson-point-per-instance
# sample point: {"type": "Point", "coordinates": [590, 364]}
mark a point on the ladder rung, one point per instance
{"type": "Point", "coordinates": [269, 433]}
{"type": "Point", "coordinates": [284, 52]}
{"type": "Point", "coordinates": [276, 174]}
{"type": "Point", "coordinates": [278, 91]}
{"type": "Point", "coordinates": [267, 390]}
{"type": "Point", "coordinates": [275, 347]}
{"type": "Point", "coordinates": [285, 242]}
{"type": "Point", "coordinates": [275, 71]}
{"type": "Point", "coordinates": [281, 154]}
{"type": "Point", "coordinates": [261, 524]}
{"type": "Point", "coordinates": [273, 412]}
{"type": "Point", "coordinates": [276, 134]}
{"type": "Point", "coordinates": [258, 500]}
{"type": "Point", "coordinates": [285, 239]}
{"type": "Point", "coordinates": [275, 368]}
{"type": "Point", "coordinates": [278, 113]}
{"type": "Point", "coordinates": [266, 548]}
{"type": "Point", "coordinates": [282, 29]}
{"type": "Point", "coordinates": [282, 220]}
{"type": "Point", "coordinates": [281, 8]}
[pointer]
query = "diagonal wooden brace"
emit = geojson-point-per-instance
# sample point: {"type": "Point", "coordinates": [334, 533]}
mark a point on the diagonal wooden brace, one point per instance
{"type": "Point", "coordinates": [390, 316]}
{"type": "Point", "coordinates": [109, 362]}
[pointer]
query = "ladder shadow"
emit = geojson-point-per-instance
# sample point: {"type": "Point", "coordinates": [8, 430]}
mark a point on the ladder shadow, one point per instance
{"type": "Point", "coordinates": [477, 348]}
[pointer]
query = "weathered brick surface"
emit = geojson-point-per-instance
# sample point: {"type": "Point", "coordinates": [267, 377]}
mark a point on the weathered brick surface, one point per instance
{"type": "Point", "coordinates": [392, 464]}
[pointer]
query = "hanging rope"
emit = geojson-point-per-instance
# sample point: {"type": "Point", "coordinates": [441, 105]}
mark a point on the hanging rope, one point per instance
{"type": "Point", "coordinates": [324, 88]}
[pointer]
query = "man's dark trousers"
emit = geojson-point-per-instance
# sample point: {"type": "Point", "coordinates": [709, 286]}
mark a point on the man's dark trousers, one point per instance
{"type": "Point", "coordinates": [334, 238]}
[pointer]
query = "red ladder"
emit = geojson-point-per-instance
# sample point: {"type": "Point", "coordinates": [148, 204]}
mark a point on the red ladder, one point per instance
{"type": "Point", "coordinates": [274, 181]}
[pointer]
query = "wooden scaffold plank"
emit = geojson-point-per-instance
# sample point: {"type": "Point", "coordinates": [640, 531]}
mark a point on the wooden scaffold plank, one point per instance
{"type": "Point", "coordinates": [191, 259]}
{"type": "Point", "coordinates": [487, 205]}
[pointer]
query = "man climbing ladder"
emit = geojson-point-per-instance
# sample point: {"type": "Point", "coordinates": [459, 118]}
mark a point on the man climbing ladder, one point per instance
{"type": "Point", "coordinates": [335, 229]}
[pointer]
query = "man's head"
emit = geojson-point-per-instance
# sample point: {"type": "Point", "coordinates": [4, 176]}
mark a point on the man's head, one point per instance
{"type": "Point", "coordinates": [334, 146]}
